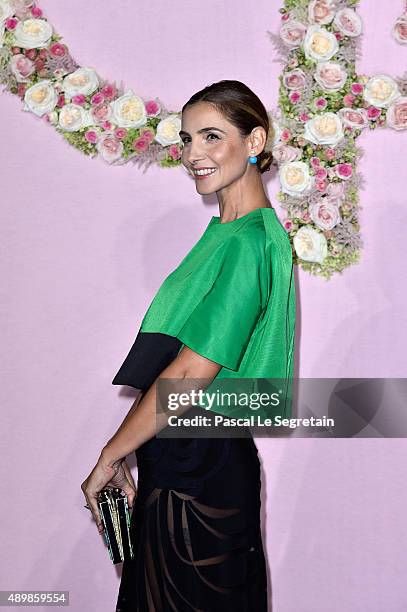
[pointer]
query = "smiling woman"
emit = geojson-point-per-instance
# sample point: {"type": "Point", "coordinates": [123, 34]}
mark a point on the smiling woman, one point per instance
{"type": "Point", "coordinates": [226, 312]}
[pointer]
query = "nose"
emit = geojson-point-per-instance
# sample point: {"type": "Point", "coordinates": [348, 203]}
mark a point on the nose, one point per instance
{"type": "Point", "coordinates": [195, 153]}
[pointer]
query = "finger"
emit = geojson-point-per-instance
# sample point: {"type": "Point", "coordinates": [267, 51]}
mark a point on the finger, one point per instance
{"type": "Point", "coordinates": [128, 474]}
{"type": "Point", "coordinates": [131, 492]}
{"type": "Point", "coordinates": [96, 515]}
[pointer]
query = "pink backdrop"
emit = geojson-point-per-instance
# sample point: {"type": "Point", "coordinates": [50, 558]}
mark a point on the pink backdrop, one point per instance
{"type": "Point", "coordinates": [85, 247]}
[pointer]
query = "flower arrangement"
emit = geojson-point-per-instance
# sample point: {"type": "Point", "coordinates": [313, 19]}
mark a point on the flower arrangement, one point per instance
{"type": "Point", "coordinates": [96, 116]}
{"type": "Point", "coordinates": [323, 107]}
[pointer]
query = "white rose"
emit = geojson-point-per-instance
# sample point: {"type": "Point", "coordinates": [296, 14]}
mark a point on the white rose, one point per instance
{"type": "Point", "coordinates": [41, 98]}
{"type": "Point", "coordinates": [129, 110]}
{"type": "Point", "coordinates": [310, 245]}
{"type": "Point", "coordinates": [5, 10]}
{"type": "Point", "coordinates": [325, 215]}
{"type": "Point", "coordinates": [325, 129]}
{"type": "Point", "coordinates": [167, 130]}
{"type": "Point", "coordinates": [319, 44]}
{"type": "Point", "coordinates": [73, 117]}
{"type": "Point", "coordinates": [32, 33]}
{"type": "Point", "coordinates": [354, 117]}
{"type": "Point", "coordinates": [330, 76]}
{"type": "Point", "coordinates": [295, 178]}
{"type": "Point", "coordinates": [348, 22]}
{"type": "Point", "coordinates": [320, 11]}
{"type": "Point", "coordinates": [83, 81]}
{"type": "Point", "coordinates": [381, 91]}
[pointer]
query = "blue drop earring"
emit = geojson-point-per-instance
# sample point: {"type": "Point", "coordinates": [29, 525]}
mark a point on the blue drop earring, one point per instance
{"type": "Point", "coordinates": [253, 159]}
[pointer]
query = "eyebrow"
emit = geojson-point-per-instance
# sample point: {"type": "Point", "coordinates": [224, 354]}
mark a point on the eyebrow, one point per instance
{"type": "Point", "coordinates": [207, 129]}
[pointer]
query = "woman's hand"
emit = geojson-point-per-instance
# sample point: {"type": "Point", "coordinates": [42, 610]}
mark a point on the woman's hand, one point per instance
{"type": "Point", "coordinates": [103, 475]}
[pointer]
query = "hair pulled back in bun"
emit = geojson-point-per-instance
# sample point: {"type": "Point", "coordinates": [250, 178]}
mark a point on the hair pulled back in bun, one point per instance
{"type": "Point", "coordinates": [243, 109]}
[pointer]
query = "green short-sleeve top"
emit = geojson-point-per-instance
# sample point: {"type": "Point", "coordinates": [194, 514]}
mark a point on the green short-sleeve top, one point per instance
{"type": "Point", "coordinates": [232, 298]}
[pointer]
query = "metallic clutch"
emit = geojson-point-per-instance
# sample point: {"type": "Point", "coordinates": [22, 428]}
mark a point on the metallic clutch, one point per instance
{"type": "Point", "coordinates": [114, 512]}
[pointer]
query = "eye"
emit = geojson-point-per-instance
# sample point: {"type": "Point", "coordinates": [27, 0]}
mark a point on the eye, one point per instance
{"type": "Point", "coordinates": [187, 139]}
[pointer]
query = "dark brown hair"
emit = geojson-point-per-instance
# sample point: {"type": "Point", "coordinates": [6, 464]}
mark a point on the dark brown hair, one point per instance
{"type": "Point", "coordinates": [242, 108]}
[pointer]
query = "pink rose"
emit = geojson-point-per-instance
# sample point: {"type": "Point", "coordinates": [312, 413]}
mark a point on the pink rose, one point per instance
{"type": "Point", "coordinates": [338, 35]}
{"type": "Point", "coordinates": [304, 117]}
{"type": "Point", "coordinates": [294, 96]}
{"type": "Point", "coordinates": [320, 11]}
{"type": "Point", "coordinates": [321, 172]}
{"type": "Point", "coordinates": [348, 100]}
{"type": "Point", "coordinates": [343, 171]}
{"type": "Point", "coordinates": [11, 23]}
{"type": "Point", "coordinates": [36, 11]}
{"type": "Point", "coordinates": [357, 88]}
{"type": "Point", "coordinates": [285, 153]}
{"type": "Point", "coordinates": [354, 117]}
{"type": "Point", "coordinates": [330, 153]}
{"type": "Point", "coordinates": [140, 144]}
{"type": "Point", "coordinates": [91, 136]}
{"type": "Point", "coordinates": [108, 91]}
{"type": "Point", "coordinates": [106, 125]}
{"type": "Point", "coordinates": [79, 99]}
{"type": "Point", "coordinates": [292, 33]}
{"type": "Point", "coordinates": [285, 135]}
{"type": "Point", "coordinates": [288, 225]}
{"type": "Point", "coordinates": [43, 53]}
{"type": "Point", "coordinates": [320, 102]}
{"type": "Point", "coordinates": [22, 67]}
{"type": "Point", "coordinates": [325, 215]}
{"type": "Point", "coordinates": [285, 16]}
{"type": "Point", "coordinates": [147, 134]}
{"type": "Point", "coordinates": [101, 113]}
{"type": "Point", "coordinates": [58, 50]}
{"type": "Point", "coordinates": [348, 22]}
{"type": "Point", "coordinates": [330, 75]}
{"type": "Point", "coordinates": [295, 79]}
{"type": "Point", "coordinates": [321, 184]}
{"type": "Point", "coordinates": [306, 216]}
{"type": "Point", "coordinates": [152, 108]}
{"type": "Point", "coordinates": [396, 116]}
{"type": "Point", "coordinates": [30, 53]}
{"type": "Point", "coordinates": [61, 100]}
{"type": "Point", "coordinates": [400, 30]}
{"type": "Point", "coordinates": [109, 148]}
{"type": "Point", "coordinates": [39, 64]}
{"type": "Point", "coordinates": [21, 89]}
{"type": "Point", "coordinates": [373, 112]}
{"type": "Point", "coordinates": [120, 133]}
{"type": "Point", "coordinates": [97, 98]}
{"type": "Point", "coordinates": [174, 151]}
{"type": "Point", "coordinates": [315, 162]}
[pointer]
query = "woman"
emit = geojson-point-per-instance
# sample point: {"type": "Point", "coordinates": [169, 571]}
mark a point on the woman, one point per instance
{"type": "Point", "coordinates": [227, 311]}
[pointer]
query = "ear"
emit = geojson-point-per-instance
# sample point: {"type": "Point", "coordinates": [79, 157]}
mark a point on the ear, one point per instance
{"type": "Point", "coordinates": [257, 140]}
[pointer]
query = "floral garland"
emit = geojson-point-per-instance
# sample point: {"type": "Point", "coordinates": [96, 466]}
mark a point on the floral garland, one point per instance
{"type": "Point", "coordinates": [323, 107]}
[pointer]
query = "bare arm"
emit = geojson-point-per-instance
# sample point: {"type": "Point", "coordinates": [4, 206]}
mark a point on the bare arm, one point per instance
{"type": "Point", "coordinates": [142, 422]}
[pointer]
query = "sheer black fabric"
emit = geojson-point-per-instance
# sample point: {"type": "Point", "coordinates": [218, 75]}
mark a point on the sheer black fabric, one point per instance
{"type": "Point", "coordinates": [195, 524]}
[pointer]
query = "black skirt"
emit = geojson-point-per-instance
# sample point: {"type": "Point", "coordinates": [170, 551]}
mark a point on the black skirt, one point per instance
{"type": "Point", "coordinates": [195, 524]}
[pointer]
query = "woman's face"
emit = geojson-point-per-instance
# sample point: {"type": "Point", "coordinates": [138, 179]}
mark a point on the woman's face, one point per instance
{"type": "Point", "coordinates": [214, 146]}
